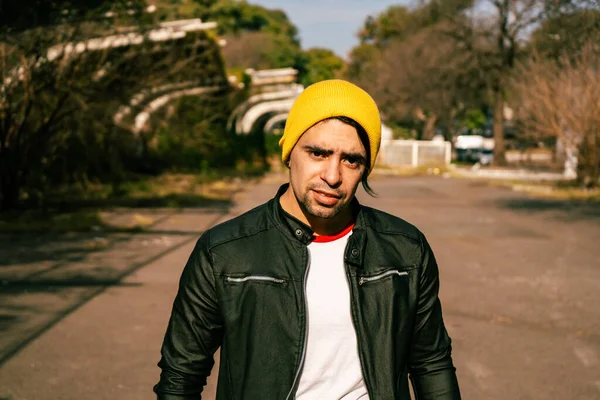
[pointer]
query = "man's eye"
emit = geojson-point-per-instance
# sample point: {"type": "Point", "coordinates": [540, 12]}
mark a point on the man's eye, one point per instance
{"type": "Point", "coordinates": [317, 153]}
{"type": "Point", "coordinates": [353, 161]}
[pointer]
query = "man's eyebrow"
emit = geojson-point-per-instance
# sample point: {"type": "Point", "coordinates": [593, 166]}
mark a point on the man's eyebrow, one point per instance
{"type": "Point", "coordinates": [357, 156]}
{"type": "Point", "coordinates": [318, 149]}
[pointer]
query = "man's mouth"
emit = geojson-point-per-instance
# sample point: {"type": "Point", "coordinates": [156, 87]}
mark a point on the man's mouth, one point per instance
{"type": "Point", "coordinates": [326, 198]}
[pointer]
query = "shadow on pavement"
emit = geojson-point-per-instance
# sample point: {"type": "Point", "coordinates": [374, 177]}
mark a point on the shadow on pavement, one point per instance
{"type": "Point", "coordinates": [45, 277]}
{"type": "Point", "coordinates": [20, 293]}
{"type": "Point", "coordinates": [22, 248]}
{"type": "Point", "coordinates": [563, 209]}
{"type": "Point", "coordinates": [32, 305]}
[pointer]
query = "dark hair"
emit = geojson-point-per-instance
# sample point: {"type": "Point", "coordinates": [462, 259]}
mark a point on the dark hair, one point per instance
{"type": "Point", "coordinates": [364, 139]}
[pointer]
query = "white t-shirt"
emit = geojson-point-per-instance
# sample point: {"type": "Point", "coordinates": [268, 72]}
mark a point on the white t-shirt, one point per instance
{"type": "Point", "coordinates": [331, 366]}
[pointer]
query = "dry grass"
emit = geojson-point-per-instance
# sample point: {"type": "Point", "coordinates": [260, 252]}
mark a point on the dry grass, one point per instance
{"type": "Point", "coordinates": [551, 190]}
{"type": "Point", "coordinates": [424, 170]}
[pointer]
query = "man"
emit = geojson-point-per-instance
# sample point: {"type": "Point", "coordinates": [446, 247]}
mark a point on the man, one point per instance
{"type": "Point", "coordinates": [311, 295]}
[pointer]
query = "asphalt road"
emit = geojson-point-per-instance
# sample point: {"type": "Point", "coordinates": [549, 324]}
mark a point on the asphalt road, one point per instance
{"type": "Point", "coordinates": [83, 316]}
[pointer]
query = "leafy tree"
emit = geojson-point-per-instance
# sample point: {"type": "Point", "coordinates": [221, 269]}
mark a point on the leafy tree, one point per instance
{"type": "Point", "coordinates": [194, 136]}
{"type": "Point", "coordinates": [473, 118]}
{"type": "Point", "coordinates": [395, 22]}
{"type": "Point", "coordinates": [567, 33]}
{"type": "Point", "coordinates": [494, 33]}
{"type": "Point", "coordinates": [260, 50]}
{"type": "Point", "coordinates": [57, 103]}
{"type": "Point", "coordinates": [257, 37]}
{"type": "Point", "coordinates": [414, 69]}
{"type": "Point", "coordinates": [320, 64]}
{"type": "Point", "coordinates": [363, 61]}
{"type": "Point", "coordinates": [399, 22]}
{"type": "Point", "coordinates": [17, 16]}
{"type": "Point", "coordinates": [561, 99]}
{"type": "Point", "coordinates": [239, 16]}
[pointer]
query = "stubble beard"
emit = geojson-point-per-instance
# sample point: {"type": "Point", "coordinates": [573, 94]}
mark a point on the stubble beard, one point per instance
{"type": "Point", "coordinates": [317, 210]}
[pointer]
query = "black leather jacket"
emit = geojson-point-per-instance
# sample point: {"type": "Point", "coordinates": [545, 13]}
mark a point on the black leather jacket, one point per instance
{"type": "Point", "coordinates": [243, 289]}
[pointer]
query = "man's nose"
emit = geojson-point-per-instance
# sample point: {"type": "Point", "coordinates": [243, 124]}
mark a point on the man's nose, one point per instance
{"type": "Point", "coordinates": [331, 172]}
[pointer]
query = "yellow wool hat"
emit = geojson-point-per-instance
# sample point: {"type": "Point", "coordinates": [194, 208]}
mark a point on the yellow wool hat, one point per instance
{"type": "Point", "coordinates": [332, 98]}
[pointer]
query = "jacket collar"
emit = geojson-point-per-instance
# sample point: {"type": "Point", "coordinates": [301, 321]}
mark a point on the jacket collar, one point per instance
{"type": "Point", "coordinates": [291, 226]}
{"type": "Point", "coordinates": [298, 230]}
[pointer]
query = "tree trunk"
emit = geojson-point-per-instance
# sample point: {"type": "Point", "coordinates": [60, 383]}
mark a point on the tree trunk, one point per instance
{"type": "Point", "coordinates": [449, 122]}
{"type": "Point", "coordinates": [499, 151]}
{"type": "Point", "coordinates": [429, 129]}
{"type": "Point", "coordinates": [588, 171]}
{"type": "Point", "coordinates": [9, 190]}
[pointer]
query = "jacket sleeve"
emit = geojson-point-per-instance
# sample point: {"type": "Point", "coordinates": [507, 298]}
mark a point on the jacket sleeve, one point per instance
{"type": "Point", "coordinates": [194, 332]}
{"type": "Point", "coordinates": [430, 364]}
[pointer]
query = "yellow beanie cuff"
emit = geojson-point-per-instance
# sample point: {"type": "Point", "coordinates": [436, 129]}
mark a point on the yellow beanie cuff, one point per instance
{"type": "Point", "coordinates": [332, 98]}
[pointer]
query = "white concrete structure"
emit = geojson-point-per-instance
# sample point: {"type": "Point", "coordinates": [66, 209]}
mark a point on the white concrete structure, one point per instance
{"type": "Point", "coordinates": [272, 76]}
{"type": "Point", "coordinates": [143, 104]}
{"type": "Point", "coordinates": [156, 97]}
{"type": "Point", "coordinates": [166, 31]}
{"type": "Point", "coordinates": [261, 109]}
{"type": "Point", "coordinates": [276, 92]}
{"type": "Point", "coordinates": [275, 120]}
{"type": "Point", "coordinates": [414, 153]}
{"type": "Point", "coordinates": [142, 118]}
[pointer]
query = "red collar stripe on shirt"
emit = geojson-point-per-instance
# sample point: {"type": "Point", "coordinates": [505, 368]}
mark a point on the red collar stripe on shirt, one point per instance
{"type": "Point", "coordinates": [331, 238]}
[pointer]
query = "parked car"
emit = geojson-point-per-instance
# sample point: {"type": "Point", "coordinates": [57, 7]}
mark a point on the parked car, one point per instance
{"type": "Point", "coordinates": [475, 145]}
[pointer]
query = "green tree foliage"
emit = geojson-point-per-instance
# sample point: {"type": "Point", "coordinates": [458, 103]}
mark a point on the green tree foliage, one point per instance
{"type": "Point", "coordinates": [239, 16]}
{"type": "Point", "coordinates": [16, 16]}
{"type": "Point", "coordinates": [320, 64]}
{"type": "Point", "coordinates": [257, 37]}
{"type": "Point", "coordinates": [260, 50]}
{"type": "Point", "coordinates": [57, 106]}
{"type": "Point", "coordinates": [473, 118]}
{"type": "Point", "coordinates": [363, 62]}
{"type": "Point", "coordinates": [438, 59]}
{"type": "Point", "coordinates": [493, 32]}
{"type": "Point", "coordinates": [414, 69]}
{"type": "Point", "coordinates": [399, 22]}
{"type": "Point", "coordinates": [194, 137]}
{"type": "Point", "coordinates": [567, 33]}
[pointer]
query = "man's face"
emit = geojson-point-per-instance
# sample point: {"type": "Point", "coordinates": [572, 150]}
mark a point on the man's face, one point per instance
{"type": "Point", "coordinates": [326, 166]}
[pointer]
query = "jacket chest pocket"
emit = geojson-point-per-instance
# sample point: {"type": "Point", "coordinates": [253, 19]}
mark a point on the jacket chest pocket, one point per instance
{"type": "Point", "coordinates": [388, 291]}
{"type": "Point", "coordinates": [255, 279]}
{"type": "Point", "coordinates": [255, 299]}
{"type": "Point", "coordinates": [363, 280]}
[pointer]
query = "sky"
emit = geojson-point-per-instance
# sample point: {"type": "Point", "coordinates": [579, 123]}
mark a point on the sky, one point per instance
{"type": "Point", "coordinates": [332, 24]}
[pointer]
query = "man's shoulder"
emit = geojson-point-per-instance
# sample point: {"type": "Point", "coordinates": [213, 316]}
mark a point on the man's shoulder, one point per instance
{"type": "Point", "coordinates": [385, 223]}
{"type": "Point", "coordinates": [247, 224]}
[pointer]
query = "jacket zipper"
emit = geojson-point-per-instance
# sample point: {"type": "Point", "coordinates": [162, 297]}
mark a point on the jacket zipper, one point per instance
{"type": "Point", "coordinates": [365, 279]}
{"type": "Point", "coordinates": [360, 357]}
{"type": "Point", "coordinates": [302, 357]}
{"type": "Point", "coordinates": [255, 278]}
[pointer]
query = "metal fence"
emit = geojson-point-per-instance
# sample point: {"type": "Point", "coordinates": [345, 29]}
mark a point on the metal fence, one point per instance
{"type": "Point", "coordinates": [414, 153]}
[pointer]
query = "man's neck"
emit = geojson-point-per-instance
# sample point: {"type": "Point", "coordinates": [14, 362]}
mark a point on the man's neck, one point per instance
{"type": "Point", "coordinates": [321, 226]}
